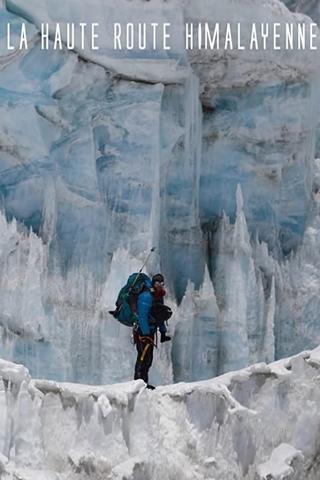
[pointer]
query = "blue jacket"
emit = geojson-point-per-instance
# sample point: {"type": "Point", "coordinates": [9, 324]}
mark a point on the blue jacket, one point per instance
{"type": "Point", "coordinates": [144, 305]}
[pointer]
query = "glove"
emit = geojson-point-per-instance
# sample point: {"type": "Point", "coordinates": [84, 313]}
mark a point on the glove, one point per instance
{"type": "Point", "coordinates": [164, 338]}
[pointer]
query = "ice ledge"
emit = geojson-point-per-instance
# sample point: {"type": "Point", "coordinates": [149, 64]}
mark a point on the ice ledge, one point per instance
{"type": "Point", "coordinates": [280, 464]}
{"type": "Point", "coordinates": [171, 66]}
{"type": "Point", "coordinates": [242, 423]}
{"type": "Point", "coordinates": [11, 372]}
{"type": "Point", "coordinates": [17, 374]}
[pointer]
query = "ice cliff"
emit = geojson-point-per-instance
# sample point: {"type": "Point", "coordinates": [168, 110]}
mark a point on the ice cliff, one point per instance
{"type": "Point", "coordinates": [308, 7]}
{"type": "Point", "coordinates": [242, 425]}
{"type": "Point", "coordinates": [209, 156]}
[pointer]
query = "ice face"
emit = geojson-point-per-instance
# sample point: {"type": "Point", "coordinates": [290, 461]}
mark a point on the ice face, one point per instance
{"type": "Point", "coordinates": [105, 156]}
{"type": "Point", "coordinates": [59, 326]}
{"type": "Point", "coordinates": [242, 425]}
{"type": "Point", "coordinates": [310, 8]}
{"type": "Point", "coordinates": [270, 164]}
{"type": "Point", "coordinates": [299, 288]}
{"type": "Point", "coordinates": [196, 343]}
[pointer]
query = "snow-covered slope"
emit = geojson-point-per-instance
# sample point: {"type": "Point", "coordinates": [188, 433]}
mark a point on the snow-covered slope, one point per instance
{"type": "Point", "coordinates": [260, 423]}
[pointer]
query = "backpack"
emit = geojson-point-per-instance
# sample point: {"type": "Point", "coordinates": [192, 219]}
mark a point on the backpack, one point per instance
{"type": "Point", "coordinates": [127, 299]}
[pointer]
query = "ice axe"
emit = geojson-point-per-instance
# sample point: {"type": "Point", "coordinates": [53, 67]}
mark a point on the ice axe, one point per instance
{"type": "Point", "coordinates": [144, 264]}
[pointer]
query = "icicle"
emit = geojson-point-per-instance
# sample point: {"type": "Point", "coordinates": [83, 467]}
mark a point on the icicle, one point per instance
{"type": "Point", "coordinates": [49, 214]}
{"type": "Point", "coordinates": [268, 351]}
{"type": "Point", "coordinates": [193, 140]}
{"type": "Point", "coordinates": [183, 337]}
{"type": "Point", "coordinates": [197, 334]}
{"type": "Point", "coordinates": [239, 199]}
{"type": "Point", "coordinates": [241, 237]}
{"type": "Point", "coordinates": [32, 315]}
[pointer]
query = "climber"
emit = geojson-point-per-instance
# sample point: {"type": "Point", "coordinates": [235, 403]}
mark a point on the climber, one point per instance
{"type": "Point", "coordinates": [152, 314]}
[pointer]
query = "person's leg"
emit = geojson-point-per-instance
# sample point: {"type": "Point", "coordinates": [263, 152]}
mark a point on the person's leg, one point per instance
{"type": "Point", "coordinates": [148, 362]}
{"type": "Point", "coordinates": [144, 360]}
{"type": "Point", "coordinates": [138, 370]}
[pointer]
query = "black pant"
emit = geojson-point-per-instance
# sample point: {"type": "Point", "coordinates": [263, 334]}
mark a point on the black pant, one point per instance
{"type": "Point", "coordinates": [144, 359]}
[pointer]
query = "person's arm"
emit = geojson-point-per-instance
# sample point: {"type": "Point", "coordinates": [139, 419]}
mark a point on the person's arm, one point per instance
{"type": "Point", "coordinates": [144, 305]}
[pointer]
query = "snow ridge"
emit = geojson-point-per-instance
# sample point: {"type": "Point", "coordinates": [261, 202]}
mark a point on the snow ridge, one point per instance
{"type": "Point", "coordinates": [241, 425]}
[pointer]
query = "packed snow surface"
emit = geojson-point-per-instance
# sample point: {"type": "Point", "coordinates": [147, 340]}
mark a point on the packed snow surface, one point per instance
{"type": "Point", "coordinates": [242, 425]}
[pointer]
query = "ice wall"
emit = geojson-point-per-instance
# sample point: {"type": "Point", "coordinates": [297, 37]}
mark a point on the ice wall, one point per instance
{"type": "Point", "coordinates": [258, 129]}
{"type": "Point", "coordinates": [242, 425]}
{"type": "Point", "coordinates": [308, 7]}
{"type": "Point", "coordinates": [229, 321]}
{"type": "Point", "coordinates": [59, 326]}
{"type": "Point", "coordinates": [251, 308]}
{"type": "Point", "coordinates": [104, 156]}
{"type": "Point", "coordinates": [299, 288]}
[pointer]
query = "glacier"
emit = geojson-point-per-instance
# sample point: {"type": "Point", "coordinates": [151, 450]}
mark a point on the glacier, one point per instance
{"type": "Point", "coordinates": [242, 425]}
{"type": "Point", "coordinates": [211, 157]}
{"type": "Point", "coordinates": [307, 7]}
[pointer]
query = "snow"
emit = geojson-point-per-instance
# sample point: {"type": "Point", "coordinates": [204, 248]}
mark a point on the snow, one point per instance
{"type": "Point", "coordinates": [241, 425]}
{"type": "Point", "coordinates": [13, 373]}
{"type": "Point", "coordinates": [279, 465]}
{"type": "Point", "coordinates": [315, 356]}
